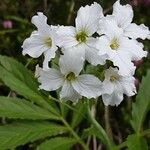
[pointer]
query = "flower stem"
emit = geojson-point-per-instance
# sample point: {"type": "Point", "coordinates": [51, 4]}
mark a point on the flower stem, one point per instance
{"type": "Point", "coordinates": [70, 12]}
{"type": "Point", "coordinates": [100, 131]}
{"type": "Point", "coordinates": [74, 134]}
{"type": "Point", "coordinates": [27, 64]}
{"type": "Point", "coordinates": [107, 123]}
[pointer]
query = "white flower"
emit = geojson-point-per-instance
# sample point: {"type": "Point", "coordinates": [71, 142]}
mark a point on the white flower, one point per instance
{"type": "Point", "coordinates": [115, 85]}
{"type": "Point", "coordinates": [41, 41]}
{"type": "Point", "coordinates": [124, 16]}
{"type": "Point", "coordinates": [120, 49]}
{"type": "Point", "coordinates": [73, 85]}
{"type": "Point", "coordinates": [87, 23]}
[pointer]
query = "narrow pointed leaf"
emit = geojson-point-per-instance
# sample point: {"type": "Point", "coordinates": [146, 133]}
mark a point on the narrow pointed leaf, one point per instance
{"type": "Point", "coordinates": [142, 104]}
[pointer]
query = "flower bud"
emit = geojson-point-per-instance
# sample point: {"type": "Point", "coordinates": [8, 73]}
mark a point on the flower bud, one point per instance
{"type": "Point", "coordinates": [138, 62]}
{"type": "Point", "coordinates": [7, 24]}
{"type": "Point", "coordinates": [136, 83]}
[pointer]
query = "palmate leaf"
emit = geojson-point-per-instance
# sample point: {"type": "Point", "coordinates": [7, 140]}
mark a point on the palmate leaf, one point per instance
{"type": "Point", "coordinates": [142, 104]}
{"type": "Point", "coordinates": [22, 109]}
{"type": "Point", "coordinates": [58, 143]}
{"type": "Point", "coordinates": [17, 134]}
{"type": "Point", "coordinates": [21, 80]}
{"type": "Point", "coordinates": [136, 142]}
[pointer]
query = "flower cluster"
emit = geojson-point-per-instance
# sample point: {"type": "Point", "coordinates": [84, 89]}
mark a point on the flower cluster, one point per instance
{"type": "Point", "coordinates": [94, 39]}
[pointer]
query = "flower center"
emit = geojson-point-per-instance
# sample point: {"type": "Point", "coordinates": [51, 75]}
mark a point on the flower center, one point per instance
{"type": "Point", "coordinates": [113, 78]}
{"type": "Point", "coordinates": [70, 76]}
{"type": "Point", "coordinates": [81, 37]}
{"type": "Point", "coordinates": [48, 42]}
{"type": "Point", "coordinates": [114, 44]}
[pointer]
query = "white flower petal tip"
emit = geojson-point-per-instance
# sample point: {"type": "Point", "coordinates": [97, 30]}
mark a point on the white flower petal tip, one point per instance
{"type": "Point", "coordinates": [123, 14]}
{"type": "Point", "coordinates": [88, 18]}
{"type": "Point", "coordinates": [88, 86]}
{"type": "Point", "coordinates": [112, 100]}
{"type": "Point", "coordinates": [137, 31]}
{"type": "Point", "coordinates": [115, 85]}
{"type": "Point", "coordinates": [39, 19]}
{"type": "Point", "coordinates": [50, 79]}
{"type": "Point", "coordinates": [72, 61]}
{"type": "Point", "coordinates": [69, 93]}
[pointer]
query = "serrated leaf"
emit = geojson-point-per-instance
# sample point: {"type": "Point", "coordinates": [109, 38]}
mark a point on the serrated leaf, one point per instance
{"type": "Point", "coordinates": [142, 104]}
{"type": "Point", "coordinates": [135, 142]}
{"type": "Point", "coordinates": [79, 114]}
{"type": "Point", "coordinates": [21, 80]}
{"type": "Point", "coordinates": [58, 143]}
{"type": "Point", "coordinates": [17, 134]}
{"type": "Point", "coordinates": [23, 109]}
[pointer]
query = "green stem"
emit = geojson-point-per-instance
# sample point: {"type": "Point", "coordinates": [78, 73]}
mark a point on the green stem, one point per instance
{"type": "Point", "coordinates": [70, 12]}
{"type": "Point", "coordinates": [74, 134]}
{"type": "Point", "coordinates": [122, 145]}
{"type": "Point", "coordinates": [107, 123]}
{"type": "Point", "coordinates": [27, 64]}
{"type": "Point", "coordinates": [100, 131]}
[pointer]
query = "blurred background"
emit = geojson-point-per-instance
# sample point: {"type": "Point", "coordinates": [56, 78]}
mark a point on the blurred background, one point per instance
{"type": "Point", "coordinates": [15, 27]}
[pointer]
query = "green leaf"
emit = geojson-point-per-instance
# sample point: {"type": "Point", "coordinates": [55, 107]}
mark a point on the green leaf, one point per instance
{"type": "Point", "coordinates": [21, 80]}
{"type": "Point", "coordinates": [58, 143]}
{"type": "Point", "coordinates": [142, 104]}
{"type": "Point", "coordinates": [89, 132]}
{"type": "Point", "coordinates": [17, 134]}
{"type": "Point", "coordinates": [22, 109]}
{"type": "Point", "coordinates": [79, 114]}
{"type": "Point", "coordinates": [135, 142]}
{"type": "Point", "coordinates": [92, 131]}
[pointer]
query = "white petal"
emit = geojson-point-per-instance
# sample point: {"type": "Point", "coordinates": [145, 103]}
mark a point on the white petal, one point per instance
{"type": "Point", "coordinates": [132, 48]}
{"type": "Point", "coordinates": [48, 56]}
{"type": "Point", "coordinates": [34, 45]}
{"type": "Point", "coordinates": [108, 87]}
{"type": "Point", "coordinates": [115, 98]}
{"type": "Point", "coordinates": [50, 79]}
{"type": "Point", "coordinates": [72, 60]}
{"type": "Point", "coordinates": [92, 54]}
{"type": "Point", "coordinates": [88, 18]}
{"type": "Point", "coordinates": [66, 36]}
{"type": "Point", "coordinates": [128, 84]}
{"type": "Point", "coordinates": [137, 31]}
{"type": "Point", "coordinates": [109, 27]}
{"type": "Point", "coordinates": [102, 45]}
{"type": "Point", "coordinates": [88, 86]}
{"type": "Point", "coordinates": [126, 67]}
{"type": "Point", "coordinates": [68, 92]}
{"type": "Point", "coordinates": [123, 14]}
{"type": "Point", "coordinates": [40, 21]}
